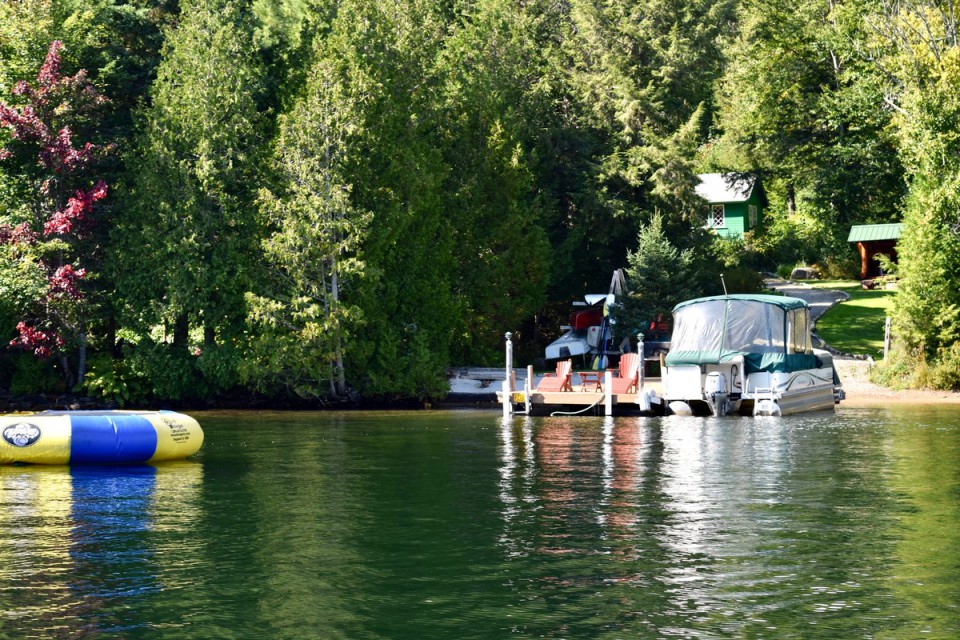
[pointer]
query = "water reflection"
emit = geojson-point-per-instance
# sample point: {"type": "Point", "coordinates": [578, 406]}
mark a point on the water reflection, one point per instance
{"type": "Point", "coordinates": [693, 523]}
{"type": "Point", "coordinates": [463, 525]}
{"type": "Point", "coordinates": [926, 476]}
{"type": "Point", "coordinates": [79, 542]}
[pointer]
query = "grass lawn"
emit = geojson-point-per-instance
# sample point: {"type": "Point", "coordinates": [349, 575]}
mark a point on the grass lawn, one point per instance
{"type": "Point", "coordinates": [856, 325]}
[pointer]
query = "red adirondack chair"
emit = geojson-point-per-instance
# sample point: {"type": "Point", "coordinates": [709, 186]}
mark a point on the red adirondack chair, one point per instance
{"type": "Point", "coordinates": [562, 380]}
{"type": "Point", "coordinates": [627, 378]}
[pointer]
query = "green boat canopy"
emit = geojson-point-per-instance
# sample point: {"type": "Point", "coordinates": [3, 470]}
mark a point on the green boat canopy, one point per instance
{"type": "Point", "coordinates": [779, 301]}
{"type": "Point", "coordinates": [771, 333]}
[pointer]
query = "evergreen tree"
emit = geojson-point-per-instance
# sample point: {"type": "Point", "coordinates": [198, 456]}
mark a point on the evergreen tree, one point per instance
{"type": "Point", "coordinates": [187, 238]}
{"type": "Point", "coordinates": [286, 33]}
{"type": "Point", "coordinates": [659, 276]}
{"type": "Point", "coordinates": [640, 76]}
{"type": "Point", "coordinates": [491, 107]}
{"type": "Point", "coordinates": [397, 173]}
{"type": "Point", "coordinates": [304, 319]}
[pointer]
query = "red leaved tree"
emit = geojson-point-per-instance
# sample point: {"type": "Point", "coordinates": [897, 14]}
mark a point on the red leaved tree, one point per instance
{"type": "Point", "coordinates": [50, 228]}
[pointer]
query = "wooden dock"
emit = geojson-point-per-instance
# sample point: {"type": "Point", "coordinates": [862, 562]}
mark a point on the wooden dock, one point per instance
{"type": "Point", "coordinates": [585, 396]}
{"type": "Point", "coordinates": [634, 391]}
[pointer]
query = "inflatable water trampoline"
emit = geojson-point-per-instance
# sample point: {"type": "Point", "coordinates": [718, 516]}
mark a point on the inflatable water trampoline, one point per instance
{"type": "Point", "coordinates": [98, 437]}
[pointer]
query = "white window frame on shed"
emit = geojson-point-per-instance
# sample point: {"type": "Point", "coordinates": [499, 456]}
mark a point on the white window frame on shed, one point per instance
{"type": "Point", "coordinates": [718, 217]}
{"type": "Point", "coordinates": [752, 212]}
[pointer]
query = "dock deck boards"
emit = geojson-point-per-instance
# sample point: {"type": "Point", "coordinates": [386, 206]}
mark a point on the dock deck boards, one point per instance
{"type": "Point", "coordinates": [586, 395]}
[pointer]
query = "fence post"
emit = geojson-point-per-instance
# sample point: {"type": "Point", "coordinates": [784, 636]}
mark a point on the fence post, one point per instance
{"type": "Point", "coordinates": [643, 363]}
{"type": "Point", "coordinates": [886, 338]}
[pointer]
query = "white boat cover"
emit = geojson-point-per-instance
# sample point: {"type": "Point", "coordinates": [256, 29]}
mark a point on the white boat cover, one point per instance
{"type": "Point", "coordinates": [572, 343]}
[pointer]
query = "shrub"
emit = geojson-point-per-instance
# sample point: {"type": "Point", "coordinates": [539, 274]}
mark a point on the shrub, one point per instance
{"type": "Point", "coordinates": [33, 375]}
{"type": "Point", "coordinates": [911, 369]}
{"type": "Point", "coordinates": [114, 381]}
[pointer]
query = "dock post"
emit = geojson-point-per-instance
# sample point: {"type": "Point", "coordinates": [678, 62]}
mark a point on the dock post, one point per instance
{"type": "Point", "coordinates": [643, 362]}
{"type": "Point", "coordinates": [528, 388]}
{"type": "Point", "coordinates": [508, 379]}
{"type": "Point", "coordinates": [608, 393]}
{"type": "Point", "coordinates": [641, 394]}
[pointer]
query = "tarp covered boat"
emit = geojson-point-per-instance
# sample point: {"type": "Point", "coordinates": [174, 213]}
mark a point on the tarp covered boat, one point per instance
{"type": "Point", "coordinates": [748, 354]}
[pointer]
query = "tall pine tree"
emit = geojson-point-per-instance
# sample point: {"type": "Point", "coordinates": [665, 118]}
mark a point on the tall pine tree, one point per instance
{"type": "Point", "coordinates": [304, 316]}
{"type": "Point", "coordinates": [188, 232]}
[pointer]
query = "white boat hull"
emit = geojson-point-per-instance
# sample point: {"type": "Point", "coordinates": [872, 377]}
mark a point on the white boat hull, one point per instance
{"type": "Point", "coordinates": [718, 390]}
{"type": "Point", "coordinates": [572, 343]}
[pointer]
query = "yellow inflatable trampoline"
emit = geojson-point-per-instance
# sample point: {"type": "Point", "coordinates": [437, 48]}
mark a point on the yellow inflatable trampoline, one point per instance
{"type": "Point", "coordinates": [98, 437]}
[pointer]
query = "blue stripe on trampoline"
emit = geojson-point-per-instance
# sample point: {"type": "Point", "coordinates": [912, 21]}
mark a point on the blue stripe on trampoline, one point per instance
{"type": "Point", "coordinates": [111, 439]}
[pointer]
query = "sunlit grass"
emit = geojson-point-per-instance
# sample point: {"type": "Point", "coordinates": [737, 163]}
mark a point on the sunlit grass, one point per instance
{"type": "Point", "coordinates": [855, 325]}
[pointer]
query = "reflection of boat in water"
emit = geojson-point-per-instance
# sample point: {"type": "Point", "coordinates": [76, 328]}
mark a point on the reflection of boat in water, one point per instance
{"type": "Point", "coordinates": [747, 354]}
{"type": "Point", "coordinates": [97, 437]}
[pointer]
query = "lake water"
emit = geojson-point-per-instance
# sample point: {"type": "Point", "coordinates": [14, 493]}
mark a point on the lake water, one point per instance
{"type": "Point", "coordinates": [463, 525]}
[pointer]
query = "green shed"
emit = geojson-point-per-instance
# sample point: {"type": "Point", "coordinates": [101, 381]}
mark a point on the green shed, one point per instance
{"type": "Point", "coordinates": [873, 239]}
{"type": "Point", "coordinates": [735, 202]}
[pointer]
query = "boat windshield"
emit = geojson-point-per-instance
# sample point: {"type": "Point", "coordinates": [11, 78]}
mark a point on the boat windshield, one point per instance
{"type": "Point", "coordinates": [744, 326]}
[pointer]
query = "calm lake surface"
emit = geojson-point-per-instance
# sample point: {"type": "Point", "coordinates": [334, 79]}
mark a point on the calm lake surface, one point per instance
{"type": "Point", "coordinates": [463, 525]}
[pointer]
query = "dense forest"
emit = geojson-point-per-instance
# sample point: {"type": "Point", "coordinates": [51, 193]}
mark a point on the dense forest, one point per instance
{"type": "Point", "coordinates": [330, 200]}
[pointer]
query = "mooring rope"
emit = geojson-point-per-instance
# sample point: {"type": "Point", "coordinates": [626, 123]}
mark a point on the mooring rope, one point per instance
{"type": "Point", "coordinates": [574, 413]}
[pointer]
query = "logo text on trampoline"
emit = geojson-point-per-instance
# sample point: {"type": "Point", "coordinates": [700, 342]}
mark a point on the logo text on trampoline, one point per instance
{"type": "Point", "coordinates": [21, 435]}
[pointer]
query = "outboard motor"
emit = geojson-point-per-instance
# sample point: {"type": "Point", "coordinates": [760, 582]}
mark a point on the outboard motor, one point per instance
{"type": "Point", "coordinates": [716, 393]}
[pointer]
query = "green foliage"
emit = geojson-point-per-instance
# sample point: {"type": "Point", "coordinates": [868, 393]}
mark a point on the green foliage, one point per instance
{"type": "Point", "coordinates": [329, 197]}
{"type": "Point", "coordinates": [398, 174]}
{"type": "Point", "coordinates": [114, 382]}
{"type": "Point", "coordinates": [22, 282]}
{"type": "Point", "coordinates": [405, 366]}
{"type": "Point", "coordinates": [911, 369]}
{"type": "Point", "coordinates": [800, 106]}
{"type": "Point", "coordinates": [312, 252]}
{"type": "Point", "coordinates": [659, 276]}
{"type": "Point", "coordinates": [887, 265]}
{"type": "Point", "coordinates": [743, 279]}
{"type": "Point", "coordinates": [285, 34]}
{"type": "Point", "coordinates": [635, 88]}
{"type": "Point", "coordinates": [32, 376]}
{"type": "Point", "coordinates": [170, 374]}
{"type": "Point", "coordinates": [186, 234]}
{"type": "Point", "coordinates": [496, 218]}
{"type": "Point", "coordinates": [927, 317]}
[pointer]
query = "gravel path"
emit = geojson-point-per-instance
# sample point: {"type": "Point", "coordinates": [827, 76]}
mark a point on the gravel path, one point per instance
{"type": "Point", "coordinates": [854, 371]}
{"type": "Point", "coordinates": [819, 299]}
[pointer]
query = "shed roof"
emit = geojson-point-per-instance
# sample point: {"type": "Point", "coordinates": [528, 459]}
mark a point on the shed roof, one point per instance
{"type": "Point", "coordinates": [726, 187]}
{"type": "Point", "coordinates": [871, 232]}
